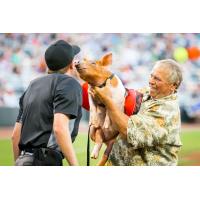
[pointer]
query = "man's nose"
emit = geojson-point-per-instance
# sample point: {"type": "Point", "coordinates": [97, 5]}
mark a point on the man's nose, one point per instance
{"type": "Point", "coordinates": [151, 80]}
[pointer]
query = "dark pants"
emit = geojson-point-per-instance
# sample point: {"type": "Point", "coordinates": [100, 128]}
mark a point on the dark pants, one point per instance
{"type": "Point", "coordinates": [40, 157]}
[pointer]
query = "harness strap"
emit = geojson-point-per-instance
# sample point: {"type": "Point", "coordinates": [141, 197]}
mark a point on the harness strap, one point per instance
{"type": "Point", "coordinates": [104, 83]}
{"type": "Point", "coordinates": [130, 99]}
{"type": "Point", "coordinates": [130, 102]}
{"type": "Point", "coordinates": [85, 103]}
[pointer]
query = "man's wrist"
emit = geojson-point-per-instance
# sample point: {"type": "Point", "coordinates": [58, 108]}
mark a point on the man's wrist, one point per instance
{"type": "Point", "coordinates": [110, 104]}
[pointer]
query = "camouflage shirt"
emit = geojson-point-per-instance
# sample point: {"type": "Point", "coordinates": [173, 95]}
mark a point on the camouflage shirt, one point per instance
{"type": "Point", "coordinates": [153, 134]}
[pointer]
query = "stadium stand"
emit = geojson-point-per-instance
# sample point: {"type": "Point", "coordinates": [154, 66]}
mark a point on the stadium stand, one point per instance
{"type": "Point", "coordinates": [21, 60]}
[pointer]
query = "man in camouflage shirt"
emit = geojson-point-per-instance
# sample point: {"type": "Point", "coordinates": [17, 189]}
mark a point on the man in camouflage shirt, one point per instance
{"type": "Point", "coordinates": [152, 136]}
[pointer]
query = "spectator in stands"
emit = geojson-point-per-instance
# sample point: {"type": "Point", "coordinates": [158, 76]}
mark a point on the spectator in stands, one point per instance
{"type": "Point", "coordinates": [135, 50]}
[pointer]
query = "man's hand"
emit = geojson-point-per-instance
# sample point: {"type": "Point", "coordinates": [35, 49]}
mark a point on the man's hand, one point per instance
{"type": "Point", "coordinates": [116, 115]}
{"type": "Point", "coordinates": [15, 139]}
{"type": "Point", "coordinates": [102, 94]}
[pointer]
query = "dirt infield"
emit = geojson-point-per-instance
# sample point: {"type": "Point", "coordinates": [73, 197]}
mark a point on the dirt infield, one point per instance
{"type": "Point", "coordinates": [6, 132]}
{"type": "Point", "coordinates": [192, 127]}
{"type": "Point", "coordinates": [193, 158]}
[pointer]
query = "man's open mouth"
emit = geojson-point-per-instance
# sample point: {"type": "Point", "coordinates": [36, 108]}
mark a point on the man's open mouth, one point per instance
{"type": "Point", "coordinates": [152, 88]}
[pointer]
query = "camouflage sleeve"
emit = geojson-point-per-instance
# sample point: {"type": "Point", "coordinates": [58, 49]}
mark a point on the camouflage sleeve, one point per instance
{"type": "Point", "coordinates": [147, 129]}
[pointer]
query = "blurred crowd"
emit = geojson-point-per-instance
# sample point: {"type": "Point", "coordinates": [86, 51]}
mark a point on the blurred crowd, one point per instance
{"type": "Point", "coordinates": [22, 59]}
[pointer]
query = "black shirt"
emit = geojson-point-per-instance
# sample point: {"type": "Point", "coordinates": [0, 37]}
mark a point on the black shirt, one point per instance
{"type": "Point", "coordinates": [53, 93]}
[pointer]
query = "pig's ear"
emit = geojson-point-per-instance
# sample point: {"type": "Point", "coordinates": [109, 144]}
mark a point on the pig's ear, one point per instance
{"type": "Point", "coordinates": [106, 60]}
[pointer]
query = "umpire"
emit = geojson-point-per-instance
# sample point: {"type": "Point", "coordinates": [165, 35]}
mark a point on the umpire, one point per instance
{"type": "Point", "coordinates": [41, 135]}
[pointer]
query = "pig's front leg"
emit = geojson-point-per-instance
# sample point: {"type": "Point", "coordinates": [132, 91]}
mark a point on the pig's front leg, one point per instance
{"type": "Point", "coordinates": [98, 143]}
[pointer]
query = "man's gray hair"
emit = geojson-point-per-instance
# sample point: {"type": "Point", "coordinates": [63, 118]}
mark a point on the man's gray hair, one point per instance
{"type": "Point", "coordinates": [175, 72]}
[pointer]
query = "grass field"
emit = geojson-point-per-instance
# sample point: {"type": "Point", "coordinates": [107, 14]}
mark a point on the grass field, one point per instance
{"type": "Point", "coordinates": [188, 156]}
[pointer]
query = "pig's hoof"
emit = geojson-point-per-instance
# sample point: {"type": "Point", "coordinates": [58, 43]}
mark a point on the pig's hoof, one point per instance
{"type": "Point", "coordinates": [94, 155]}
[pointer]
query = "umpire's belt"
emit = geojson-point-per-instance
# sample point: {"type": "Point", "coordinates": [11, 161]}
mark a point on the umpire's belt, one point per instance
{"type": "Point", "coordinates": [30, 151]}
{"type": "Point", "coordinates": [27, 152]}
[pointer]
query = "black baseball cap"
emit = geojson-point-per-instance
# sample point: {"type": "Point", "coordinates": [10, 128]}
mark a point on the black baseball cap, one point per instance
{"type": "Point", "coordinates": [60, 54]}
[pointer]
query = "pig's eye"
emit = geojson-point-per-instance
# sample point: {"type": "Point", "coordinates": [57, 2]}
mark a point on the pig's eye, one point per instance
{"type": "Point", "coordinates": [93, 63]}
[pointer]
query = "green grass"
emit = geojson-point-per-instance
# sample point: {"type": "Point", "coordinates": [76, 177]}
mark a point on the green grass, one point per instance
{"type": "Point", "coordinates": [80, 145]}
{"type": "Point", "coordinates": [6, 155]}
{"type": "Point", "coordinates": [190, 140]}
{"type": "Point", "coordinates": [191, 145]}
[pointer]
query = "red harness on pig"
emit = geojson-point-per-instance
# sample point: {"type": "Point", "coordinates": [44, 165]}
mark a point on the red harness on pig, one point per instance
{"type": "Point", "coordinates": [129, 105]}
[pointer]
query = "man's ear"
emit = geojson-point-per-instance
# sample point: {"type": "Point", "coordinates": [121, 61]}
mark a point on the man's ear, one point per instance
{"type": "Point", "coordinates": [174, 87]}
{"type": "Point", "coordinates": [71, 66]}
{"type": "Point", "coordinates": [106, 59]}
